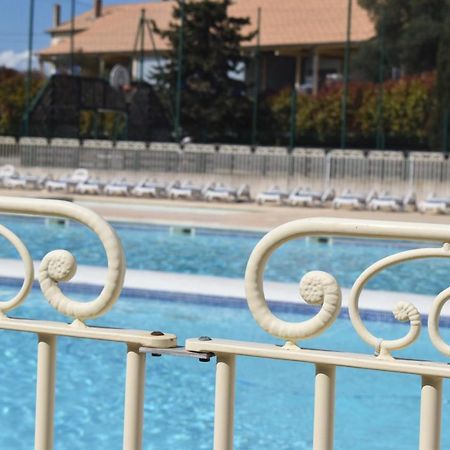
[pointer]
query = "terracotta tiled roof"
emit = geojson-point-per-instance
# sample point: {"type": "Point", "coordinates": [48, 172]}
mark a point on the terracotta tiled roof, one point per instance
{"type": "Point", "coordinates": [283, 23]}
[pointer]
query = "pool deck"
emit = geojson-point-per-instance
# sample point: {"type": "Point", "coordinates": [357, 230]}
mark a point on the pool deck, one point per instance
{"type": "Point", "coordinates": [247, 216]}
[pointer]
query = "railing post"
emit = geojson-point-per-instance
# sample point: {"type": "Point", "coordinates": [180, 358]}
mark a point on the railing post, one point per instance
{"type": "Point", "coordinates": [430, 413]}
{"type": "Point", "coordinates": [45, 392]}
{"type": "Point", "coordinates": [224, 402]}
{"type": "Point", "coordinates": [134, 399]}
{"type": "Point", "coordinates": [324, 407]}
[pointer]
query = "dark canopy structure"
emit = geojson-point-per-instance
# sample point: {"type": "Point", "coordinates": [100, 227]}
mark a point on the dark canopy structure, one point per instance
{"type": "Point", "coordinates": [57, 110]}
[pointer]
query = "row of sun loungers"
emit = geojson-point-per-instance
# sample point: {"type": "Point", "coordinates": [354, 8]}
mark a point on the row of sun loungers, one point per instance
{"type": "Point", "coordinates": [80, 182]}
{"type": "Point", "coordinates": [301, 196]}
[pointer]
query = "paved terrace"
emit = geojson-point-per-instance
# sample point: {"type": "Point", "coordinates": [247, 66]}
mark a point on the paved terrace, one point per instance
{"type": "Point", "coordinates": [243, 216]}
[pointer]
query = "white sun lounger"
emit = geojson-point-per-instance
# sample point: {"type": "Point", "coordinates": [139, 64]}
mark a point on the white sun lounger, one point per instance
{"type": "Point", "coordinates": [351, 200]}
{"type": "Point", "coordinates": [435, 204]}
{"type": "Point", "coordinates": [88, 187]}
{"type": "Point", "coordinates": [227, 193]}
{"type": "Point", "coordinates": [386, 201]}
{"type": "Point", "coordinates": [15, 182]}
{"type": "Point", "coordinates": [27, 181]}
{"type": "Point", "coordinates": [187, 190]}
{"type": "Point", "coordinates": [273, 195]}
{"type": "Point", "coordinates": [304, 197]}
{"type": "Point", "coordinates": [220, 192]}
{"type": "Point", "coordinates": [7, 171]}
{"type": "Point", "coordinates": [69, 182]}
{"type": "Point", "coordinates": [117, 187]}
{"type": "Point", "coordinates": [149, 189]}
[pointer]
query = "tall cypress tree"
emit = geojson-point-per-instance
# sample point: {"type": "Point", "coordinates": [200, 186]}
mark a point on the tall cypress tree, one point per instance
{"type": "Point", "coordinates": [214, 101]}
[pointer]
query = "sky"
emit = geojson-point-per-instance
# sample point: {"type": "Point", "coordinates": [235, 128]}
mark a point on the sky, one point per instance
{"type": "Point", "coordinates": [14, 23]}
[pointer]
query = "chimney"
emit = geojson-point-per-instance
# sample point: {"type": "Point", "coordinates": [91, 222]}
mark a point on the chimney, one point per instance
{"type": "Point", "coordinates": [97, 8]}
{"type": "Point", "coordinates": [56, 15]}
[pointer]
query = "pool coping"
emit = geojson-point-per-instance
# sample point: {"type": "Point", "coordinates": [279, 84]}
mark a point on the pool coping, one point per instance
{"type": "Point", "coordinates": [219, 291]}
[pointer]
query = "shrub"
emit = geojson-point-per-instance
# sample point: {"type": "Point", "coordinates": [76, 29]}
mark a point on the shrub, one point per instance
{"type": "Point", "coordinates": [12, 98]}
{"type": "Point", "coordinates": [407, 109]}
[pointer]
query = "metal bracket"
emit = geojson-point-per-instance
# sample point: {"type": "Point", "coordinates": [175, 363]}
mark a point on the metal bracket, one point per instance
{"type": "Point", "coordinates": [178, 351]}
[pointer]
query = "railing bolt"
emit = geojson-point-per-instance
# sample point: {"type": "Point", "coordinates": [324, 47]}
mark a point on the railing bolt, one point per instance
{"type": "Point", "coordinates": [204, 338]}
{"type": "Point", "coordinates": [157, 333]}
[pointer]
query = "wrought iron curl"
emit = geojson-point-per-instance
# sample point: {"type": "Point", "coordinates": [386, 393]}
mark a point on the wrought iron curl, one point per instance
{"type": "Point", "coordinates": [60, 265]}
{"type": "Point", "coordinates": [316, 288]}
{"type": "Point", "coordinates": [27, 284]}
{"type": "Point", "coordinates": [403, 311]}
{"type": "Point", "coordinates": [435, 313]}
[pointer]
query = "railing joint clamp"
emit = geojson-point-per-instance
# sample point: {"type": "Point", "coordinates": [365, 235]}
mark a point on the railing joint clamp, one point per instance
{"type": "Point", "coordinates": [178, 351]}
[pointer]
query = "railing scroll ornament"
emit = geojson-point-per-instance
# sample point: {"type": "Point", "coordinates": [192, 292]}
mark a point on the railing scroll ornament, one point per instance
{"type": "Point", "coordinates": [60, 266]}
{"type": "Point", "coordinates": [403, 311]}
{"type": "Point", "coordinates": [320, 288]}
{"type": "Point", "coordinates": [316, 288]}
{"type": "Point", "coordinates": [27, 284]}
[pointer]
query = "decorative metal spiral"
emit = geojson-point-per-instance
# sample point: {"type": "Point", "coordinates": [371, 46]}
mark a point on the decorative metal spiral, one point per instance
{"type": "Point", "coordinates": [317, 288]}
{"type": "Point", "coordinates": [60, 265]}
{"type": "Point", "coordinates": [27, 284]}
{"type": "Point", "coordinates": [322, 288]}
{"type": "Point", "coordinates": [433, 322]}
{"type": "Point", "coordinates": [403, 311]}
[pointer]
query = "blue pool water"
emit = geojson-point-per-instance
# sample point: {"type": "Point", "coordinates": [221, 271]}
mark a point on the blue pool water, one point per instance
{"type": "Point", "coordinates": [274, 399]}
{"type": "Point", "coordinates": [223, 253]}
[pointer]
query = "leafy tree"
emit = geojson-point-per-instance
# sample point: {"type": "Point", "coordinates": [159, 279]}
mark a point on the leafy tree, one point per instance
{"type": "Point", "coordinates": [12, 98]}
{"type": "Point", "coordinates": [441, 123]}
{"type": "Point", "coordinates": [411, 30]}
{"type": "Point", "coordinates": [416, 38]}
{"type": "Point", "coordinates": [214, 103]}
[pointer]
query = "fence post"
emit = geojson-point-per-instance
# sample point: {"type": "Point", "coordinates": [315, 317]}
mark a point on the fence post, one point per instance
{"type": "Point", "coordinates": [134, 399]}
{"type": "Point", "coordinates": [45, 392]}
{"type": "Point", "coordinates": [346, 77]}
{"type": "Point", "coordinates": [430, 413]}
{"type": "Point", "coordinates": [327, 170]}
{"type": "Point", "coordinates": [324, 407]}
{"type": "Point", "coordinates": [445, 147]}
{"type": "Point", "coordinates": [224, 402]}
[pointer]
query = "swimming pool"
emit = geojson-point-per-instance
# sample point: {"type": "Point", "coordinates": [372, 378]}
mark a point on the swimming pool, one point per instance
{"type": "Point", "coordinates": [225, 253]}
{"type": "Point", "coordinates": [179, 399]}
{"type": "Point", "coordinates": [180, 392]}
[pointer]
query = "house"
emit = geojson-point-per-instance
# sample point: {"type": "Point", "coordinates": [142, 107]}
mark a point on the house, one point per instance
{"type": "Point", "coordinates": [301, 41]}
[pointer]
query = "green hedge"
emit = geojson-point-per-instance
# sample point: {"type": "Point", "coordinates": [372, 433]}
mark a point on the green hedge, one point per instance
{"type": "Point", "coordinates": [409, 107]}
{"type": "Point", "coordinates": [407, 110]}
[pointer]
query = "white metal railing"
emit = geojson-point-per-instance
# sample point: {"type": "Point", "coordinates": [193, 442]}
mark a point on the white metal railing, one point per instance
{"type": "Point", "coordinates": [422, 172]}
{"type": "Point", "coordinates": [58, 266]}
{"type": "Point", "coordinates": [321, 289]}
{"type": "Point", "coordinates": [317, 288]}
{"type": "Point", "coordinates": [394, 171]}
